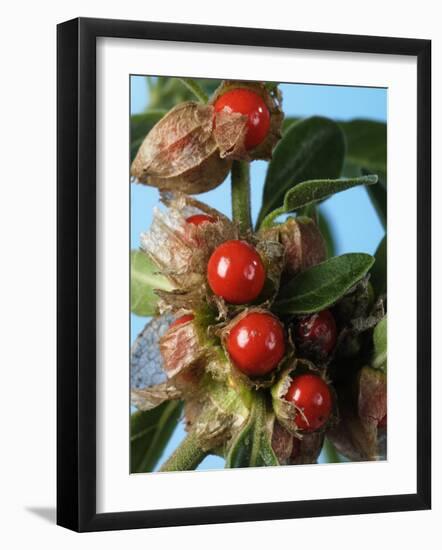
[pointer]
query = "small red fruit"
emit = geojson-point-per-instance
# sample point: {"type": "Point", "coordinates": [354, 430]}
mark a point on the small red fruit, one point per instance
{"type": "Point", "coordinates": [198, 219]}
{"type": "Point", "coordinates": [256, 344]}
{"type": "Point", "coordinates": [247, 102]}
{"type": "Point", "coordinates": [235, 272]}
{"type": "Point", "coordinates": [182, 320]}
{"type": "Point", "coordinates": [311, 395]}
{"type": "Point", "coordinates": [319, 331]}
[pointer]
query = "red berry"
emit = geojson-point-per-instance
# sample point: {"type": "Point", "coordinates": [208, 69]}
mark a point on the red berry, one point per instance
{"type": "Point", "coordinates": [256, 344]}
{"type": "Point", "coordinates": [182, 320]}
{"type": "Point", "coordinates": [312, 396]}
{"type": "Point", "coordinates": [246, 102]}
{"type": "Point", "coordinates": [318, 330]}
{"type": "Point", "coordinates": [383, 422]}
{"type": "Point", "coordinates": [198, 219]}
{"type": "Point", "coordinates": [235, 272]}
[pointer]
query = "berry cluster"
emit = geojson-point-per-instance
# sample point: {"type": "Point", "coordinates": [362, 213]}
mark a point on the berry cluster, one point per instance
{"type": "Point", "coordinates": [257, 342]}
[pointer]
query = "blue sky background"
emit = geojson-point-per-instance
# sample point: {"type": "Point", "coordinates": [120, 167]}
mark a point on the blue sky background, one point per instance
{"type": "Point", "coordinates": [356, 227]}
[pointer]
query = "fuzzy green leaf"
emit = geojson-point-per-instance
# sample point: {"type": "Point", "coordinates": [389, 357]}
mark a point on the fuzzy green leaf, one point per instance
{"type": "Point", "coordinates": [366, 144]}
{"type": "Point", "coordinates": [252, 445]}
{"type": "Point", "coordinates": [150, 432]}
{"type": "Point", "coordinates": [312, 148]}
{"type": "Point", "coordinates": [322, 285]}
{"type": "Point", "coordinates": [379, 360]}
{"type": "Point", "coordinates": [378, 275]}
{"type": "Point", "coordinates": [144, 279]}
{"type": "Point", "coordinates": [311, 192]}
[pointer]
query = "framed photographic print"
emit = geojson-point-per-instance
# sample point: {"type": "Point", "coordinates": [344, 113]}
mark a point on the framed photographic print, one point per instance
{"type": "Point", "coordinates": [227, 240]}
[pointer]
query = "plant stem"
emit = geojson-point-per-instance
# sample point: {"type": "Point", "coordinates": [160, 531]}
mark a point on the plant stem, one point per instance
{"type": "Point", "coordinates": [196, 89]}
{"type": "Point", "coordinates": [186, 457]}
{"type": "Point", "coordinates": [241, 195]}
{"type": "Point", "coordinates": [330, 452]}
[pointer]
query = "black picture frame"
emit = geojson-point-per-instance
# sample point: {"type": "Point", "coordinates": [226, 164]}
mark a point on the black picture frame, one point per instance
{"type": "Point", "coordinates": [76, 273]}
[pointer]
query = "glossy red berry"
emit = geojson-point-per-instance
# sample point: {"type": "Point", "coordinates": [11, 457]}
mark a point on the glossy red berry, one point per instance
{"type": "Point", "coordinates": [256, 344]}
{"type": "Point", "coordinates": [198, 219]}
{"type": "Point", "coordinates": [311, 395]}
{"type": "Point", "coordinates": [182, 320]}
{"type": "Point", "coordinates": [235, 272]}
{"type": "Point", "coordinates": [247, 102]}
{"type": "Point", "coordinates": [319, 331]}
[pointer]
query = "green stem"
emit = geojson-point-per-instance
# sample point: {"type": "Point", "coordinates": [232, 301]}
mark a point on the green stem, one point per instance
{"type": "Point", "coordinates": [186, 457]}
{"type": "Point", "coordinates": [330, 452]}
{"type": "Point", "coordinates": [196, 89]}
{"type": "Point", "coordinates": [241, 195]}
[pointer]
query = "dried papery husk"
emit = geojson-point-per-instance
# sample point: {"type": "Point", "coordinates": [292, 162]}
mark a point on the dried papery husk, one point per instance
{"type": "Point", "coordinates": [150, 397]}
{"type": "Point", "coordinates": [307, 449]}
{"type": "Point", "coordinates": [258, 382]}
{"type": "Point", "coordinates": [190, 346]}
{"type": "Point", "coordinates": [304, 245]}
{"type": "Point", "coordinates": [272, 255]}
{"type": "Point", "coordinates": [180, 152]}
{"type": "Point", "coordinates": [282, 443]}
{"type": "Point", "coordinates": [230, 128]}
{"type": "Point", "coordinates": [146, 362]}
{"type": "Point", "coordinates": [181, 250]}
{"type": "Point", "coordinates": [362, 405]}
{"type": "Point", "coordinates": [218, 413]}
{"type": "Point", "coordinates": [286, 411]}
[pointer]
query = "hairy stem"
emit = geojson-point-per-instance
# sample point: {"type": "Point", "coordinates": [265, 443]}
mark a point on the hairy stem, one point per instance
{"type": "Point", "coordinates": [241, 195]}
{"type": "Point", "coordinates": [186, 457]}
{"type": "Point", "coordinates": [196, 89]}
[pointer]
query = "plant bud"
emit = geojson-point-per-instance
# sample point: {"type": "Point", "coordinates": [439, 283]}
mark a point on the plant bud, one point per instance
{"type": "Point", "coordinates": [180, 153]}
{"type": "Point", "coordinates": [303, 243]}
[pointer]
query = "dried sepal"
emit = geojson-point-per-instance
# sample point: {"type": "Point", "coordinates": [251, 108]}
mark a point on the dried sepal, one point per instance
{"type": "Point", "coordinates": [303, 243]}
{"type": "Point", "coordinates": [272, 255]}
{"type": "Point", "coordinates": [181, 153]}
{"type": "Point", "coordinates": [179, 249]}
{"type": "Point", "coordinates": [181, 348]}
{"type": "Point", "coordinates": [307, 449]}
{"type": "Point", "coordinates": [146, 363]}
{"type": "Point", "coordinates": [286, 411]}
{"type": "Point", "coordinates": [230, 128]}
{"type": "Point", "coordinates": [150, 397]}
{"type": "Point", "coordinates": [362, 405]}
{"type": "Point", "coordinates": [282, 443]}
{"type": "Point", "coordinates": [219, 413]}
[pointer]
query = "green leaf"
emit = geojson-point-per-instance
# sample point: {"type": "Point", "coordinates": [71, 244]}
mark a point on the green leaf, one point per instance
{"type": "Point", "coordinates": [144, 279]}
{"type": "Point", "coordinates": [252, 445]}
{"type": "Point", "coordinates": [311, 192]}
{"type": "Point", "coordinates": [378, 275]}
{"type": "Point", "coordinates": [140, 126]}
{"type": "Point", "coordinates": [366, 144]}
{"type": "Point", "coordinates": [322, 285]}
{"type": "Point", "coordinates": [150, 432]}
{"type": "Point", "coordinates": [312, 148]}
{"type": "Point", "coordinates": [379, 360]}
